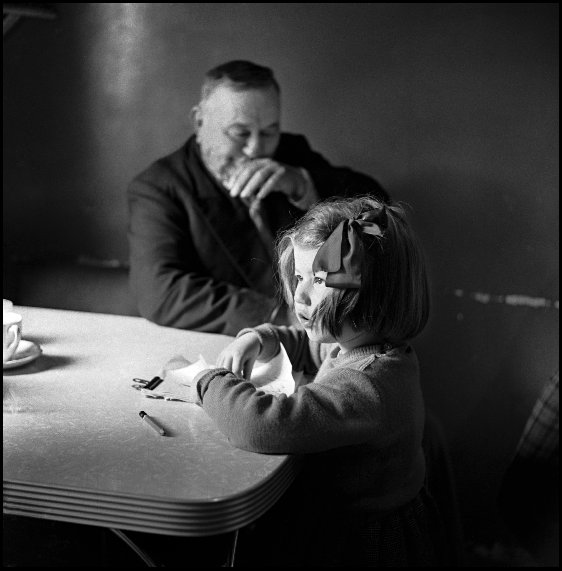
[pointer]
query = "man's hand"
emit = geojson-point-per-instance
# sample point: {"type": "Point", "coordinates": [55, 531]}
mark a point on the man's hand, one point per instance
{"type": "Point", "coordinates": [255, 179]}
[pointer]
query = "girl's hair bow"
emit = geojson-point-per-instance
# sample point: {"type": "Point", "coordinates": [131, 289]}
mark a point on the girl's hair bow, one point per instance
{"type": "Point", "coordinates": [342, 253]}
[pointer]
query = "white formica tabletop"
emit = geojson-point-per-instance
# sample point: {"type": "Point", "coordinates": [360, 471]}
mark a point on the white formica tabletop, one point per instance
{"type": "Point", "coordinates": [76, 450]}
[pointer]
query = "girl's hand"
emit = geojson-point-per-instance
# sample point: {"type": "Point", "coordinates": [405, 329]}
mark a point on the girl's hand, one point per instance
{"type": "Point", "coordinates": [240, 356]}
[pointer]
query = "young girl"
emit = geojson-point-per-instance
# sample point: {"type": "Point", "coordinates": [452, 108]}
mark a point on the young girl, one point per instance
{"type": "Point", "coordinates": [355, 276]}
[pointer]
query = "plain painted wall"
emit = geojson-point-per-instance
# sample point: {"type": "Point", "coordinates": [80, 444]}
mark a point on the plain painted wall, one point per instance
{"type": "Point", "coordinates": [452, 107]}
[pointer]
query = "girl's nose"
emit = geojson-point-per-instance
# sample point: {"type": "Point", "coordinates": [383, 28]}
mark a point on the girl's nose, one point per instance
{"type": "Point", "coordinates": [301, 294]}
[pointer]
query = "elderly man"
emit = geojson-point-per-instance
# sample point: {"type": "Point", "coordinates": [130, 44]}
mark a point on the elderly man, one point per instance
{"type": "Point", "coordinates": [202, 220]}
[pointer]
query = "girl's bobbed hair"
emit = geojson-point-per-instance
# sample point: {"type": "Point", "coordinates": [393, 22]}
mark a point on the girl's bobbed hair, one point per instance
{"type": "Point", "coordinates": [393, 299]}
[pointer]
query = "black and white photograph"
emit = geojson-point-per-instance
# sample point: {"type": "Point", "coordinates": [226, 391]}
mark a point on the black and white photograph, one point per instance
{"type": "Point", "coordinates": [281, 285]}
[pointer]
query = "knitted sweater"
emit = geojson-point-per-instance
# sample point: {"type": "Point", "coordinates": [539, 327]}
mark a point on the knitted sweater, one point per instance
{"type": "Point", "coordinates": [359, 422]}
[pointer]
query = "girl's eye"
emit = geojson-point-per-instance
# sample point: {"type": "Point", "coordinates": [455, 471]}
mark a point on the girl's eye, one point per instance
{"type": "Point", "coordinates": [318, 280]}
{"type": "Point", "coordinates": [298, 278]}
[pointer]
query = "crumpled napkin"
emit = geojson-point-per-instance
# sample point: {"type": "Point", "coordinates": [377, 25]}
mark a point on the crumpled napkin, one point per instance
{"type": "Point", "coordinates": [273, 377]}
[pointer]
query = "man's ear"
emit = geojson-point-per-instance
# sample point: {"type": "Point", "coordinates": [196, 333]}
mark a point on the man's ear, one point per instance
{"type": "Point", "coordinates": [196, 118]}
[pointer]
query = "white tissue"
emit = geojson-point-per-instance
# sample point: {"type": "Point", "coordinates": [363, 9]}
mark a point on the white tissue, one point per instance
{"type": "Point", "coordinates": [181, 371]}
{"type": "Point", "coordinates": [273, 376]}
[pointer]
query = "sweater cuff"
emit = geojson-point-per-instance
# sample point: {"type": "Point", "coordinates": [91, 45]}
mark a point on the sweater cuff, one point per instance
{"type": "Point", "coordinates": [269, 340]}
{"type": "Point", "coordinates": [205, 377]}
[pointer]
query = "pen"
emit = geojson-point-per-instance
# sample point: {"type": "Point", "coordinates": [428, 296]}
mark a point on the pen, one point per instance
{"type": "Point", "coordinates": [152, 423]}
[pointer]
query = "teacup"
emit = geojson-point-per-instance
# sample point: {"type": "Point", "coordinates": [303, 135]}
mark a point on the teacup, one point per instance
{"type": "Point", "coordinates": [11, 334]}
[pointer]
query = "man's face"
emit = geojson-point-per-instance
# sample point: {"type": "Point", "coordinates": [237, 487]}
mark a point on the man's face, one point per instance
{"type": "Point", "coordinates": [234, 126]}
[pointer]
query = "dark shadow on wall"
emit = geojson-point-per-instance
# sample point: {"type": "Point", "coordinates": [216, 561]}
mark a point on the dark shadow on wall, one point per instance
{"type": "Point", "coordinates": [73, 286]}
{"type": "Point", "coordinates": [493, 334]}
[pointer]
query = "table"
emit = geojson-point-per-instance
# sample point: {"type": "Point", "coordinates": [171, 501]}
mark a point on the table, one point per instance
{"type": "Point", "coordinates": [76, 450]}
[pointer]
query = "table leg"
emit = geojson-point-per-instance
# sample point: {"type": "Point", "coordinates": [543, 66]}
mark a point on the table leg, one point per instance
{"type": "Point", "coordinates": [140, 552]}
{"type": "Point", "coordinates": [232, 551]}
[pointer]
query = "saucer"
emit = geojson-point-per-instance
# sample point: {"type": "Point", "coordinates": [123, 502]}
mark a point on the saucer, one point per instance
{"type": "Point", "coordinates": [26, 352]}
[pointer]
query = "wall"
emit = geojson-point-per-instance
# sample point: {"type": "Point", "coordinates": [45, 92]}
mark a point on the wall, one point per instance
{"type": "Point", "coordinates": [453, 107]}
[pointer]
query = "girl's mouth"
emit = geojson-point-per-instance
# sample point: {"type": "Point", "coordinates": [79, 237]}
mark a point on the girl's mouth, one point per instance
{"type": "Point", "coordinates": [303, 319]}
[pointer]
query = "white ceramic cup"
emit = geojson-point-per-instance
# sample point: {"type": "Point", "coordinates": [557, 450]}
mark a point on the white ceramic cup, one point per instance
{"type": "Point", "coordinates": [11, 334]}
